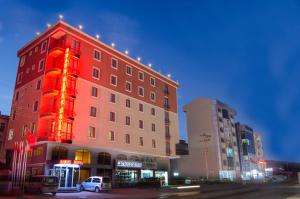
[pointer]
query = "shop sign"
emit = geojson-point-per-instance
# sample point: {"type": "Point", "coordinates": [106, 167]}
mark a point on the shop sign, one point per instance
{"type": "Point", "coordinates": [79, 162]}
{"type": "Point", "coordinates": [129, 164]}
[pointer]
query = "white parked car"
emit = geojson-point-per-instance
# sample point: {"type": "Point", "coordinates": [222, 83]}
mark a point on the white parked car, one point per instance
{"type": "Point", "coordinates": [96, 183]}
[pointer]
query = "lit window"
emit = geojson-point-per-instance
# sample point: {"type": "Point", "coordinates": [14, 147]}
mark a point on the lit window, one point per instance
{"type": "Point", "coordinates": [96, 73]}
{"type": "Point", "coordinates": [141, 107]}
{"type": "Point", "coordinates": [112, 116]}
{"type": "Point", "coordinates": [141, 124]}
{"type": "Point", "coordinates": [35, 106]}
{"type": "Point", "coordinates": [44, 47]}
{"type": "Point", "coordinates": [94, 91]}
{"type": "Point", "coordinates": [127, 120]}
{"type": "Point", "coordinates": [92, 133]}
{"type": "Point", "coordinates": [128, 103]}
{"type": "Point", "coordinates": [113, 80]}
{"type": "Point", "coordinates": [152, 81]}
{"type": "Point", "coordinates": [153, 143]}
{"type": "Point", "coordinates": [141, 141]}
{"type": "Point", "coordinates": [127, 139]}
{"type": "Point", "coordinates": [141, 76]}
{"type": "Point", "coordinates": [97, 55]}
{"type": "Point", "coordinates": [112, 98]}
{"type": "Point", "coordinates": [22, 61]}
{"type": "Point", "coordinates": [111, 136]}
{"type": "Point", "coordinates": [83, 155]}
{"type": "Point", "coordinates": [114, 63]}
{"type": "Point", "coordinates": [128, 86]}
{"type": "Point", "coordinates": [93, 111]}
{"type": "Point", "coordinates": [38, 85]}
{"type": "Point", "coordinates": [141, 91]}
{"type": "Point", "coordinates": [41, 65]}
{"type": "Point", "coordinates": [152, 111]}
{"type": "Point", "coordinates": [128, 70]}
{"type": "Point", "coordinates": [152, 96]}
{"type": "Point", "coordinates": [153, 127]}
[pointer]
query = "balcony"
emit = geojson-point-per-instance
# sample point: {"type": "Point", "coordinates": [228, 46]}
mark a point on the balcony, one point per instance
{"type": "Point", "coordinates": [73, 71]}
{"type": "Point", "coordinates": [51, 89]}
{"type": "Point", "coordinates": [166, 106]}
{"type": "Point", "coordinates": [57, 47]}
{"type": "Point", "coordinates": [48, 111]}
{"type": "Point", "coordinates": [53, 70]}
{"type": "Point", "coordinates": [166, 91]}
{"type": "Point", "coordinates": [69, 114]}
{"type": "Point", "coordinates": [167, 121]}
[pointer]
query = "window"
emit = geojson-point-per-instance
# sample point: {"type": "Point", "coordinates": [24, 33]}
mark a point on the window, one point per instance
{"type": "Point", "coordinates": [114, 63]}
{"type": "Point", "coordinates": [32, 127]}
{"type": "Point", "coordinates": [141, 141]}
{"type": "Point", "coordinates": [153, 143]}
{"type": "Point", "coordinates": [152, 96]}
{"type": "Point", "coordinates": [141, 91]}
{"type": "Point", "coordinates": [97, 55]}
{"type": "Point", "coordinates": [141, 107]}
{"type": "Point", "coordinates": [112, 98]}
{"type": "Point", "coordinates": [33, 67]}
{"type": "Point", "coordinates": [104, 158]}
{"type": "Point", "coordinates": [128, 103]}
{"type": "Point", "coordinates": [20, 77]}
{"type": "Point", "coordinates": [152, 81]}
{"type": "Point", "coordinates": [44, 47]}
{"type": "Point", "coordinates": [153, 127]}
{"type": "Point", "coordinates": [127, 120]}
{"type": "Point", "coordinates": [38, 85]}
{"type": "Point", "coordinates": [30, 53]}
{"type": "Point", "coordinates": [17, 96]}
{"type": "Point", "coordinates": [59, 152]}
{"type": "Point", "coordinates": [93, 111]}
{"type": "Point", "coordinates": [2, 127]}
{"type": "Point", "coordinates": [92, 133]}
{"type": "Point", "coordinates": [128, 86]}
{"type": "Point", "coordinates": [113, 80]}
{"type": "Point", "coordinates": [35, 106]}
{"type": "Point", "coordinates": [141, 76]}
{"type": "Point", "coordinates": [83, 155]}
{"type": "Point", "coordinates": [141, 124]}
{"type": "Point", "coordinates": [128, 70]}
{"type": "Point", "coordinates": [22, 61]}
{"type": "Point", "coordinates": [94, 91]}
{"type": "Point", "coordinates": [152, 111]}
{"type": "Point", "coordinates": [127, 139]}
{"type": "Point", "coordinates": [166, 102]}
{"type": "Point", "coordinates": [41, 65]}
{"type": "Point", "coordinates": [111, 136]}
{"type": "Point", "coordinates": [96, 180]}
{"type": "Point", "coordinates": [112, 116]}
{"type": "Point", "coordinates": [96, 73]}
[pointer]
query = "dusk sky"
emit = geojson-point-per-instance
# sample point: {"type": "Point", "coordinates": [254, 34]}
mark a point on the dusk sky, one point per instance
{"type": "Point", "coordinates": [244, 53]}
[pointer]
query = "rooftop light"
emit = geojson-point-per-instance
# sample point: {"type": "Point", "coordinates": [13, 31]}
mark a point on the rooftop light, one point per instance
{"type": "Point", "coordinates": [97, 36]}
{"type": "Point", "coordinates": [37, 33]}
{"type": "Point", "coordinates": [126, 52]}
{"type": "Point", "coordinates": [169, 75]}
{"type": "Point", "coordinates": [80, 27]}
{"type": "Point", "coordinates": [138, 58]}
{"type": "Point", "coordinates": [113, 44]}
{"type": "Point", "coordinates": [150, 65]}
{"type": "Point", "coordinates": [60, 17]}
{"type": "Point", "coordinates": [48, 25]}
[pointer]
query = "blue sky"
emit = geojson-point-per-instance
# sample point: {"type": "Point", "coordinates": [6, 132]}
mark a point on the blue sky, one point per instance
{"type": "Point", "coordinates": [245, 53]}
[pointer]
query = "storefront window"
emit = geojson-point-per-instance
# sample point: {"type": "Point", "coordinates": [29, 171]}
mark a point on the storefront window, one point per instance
{"type": "Point", "coordinates": [59, 153]}
{"type": "Point", "coordinates": [83, 155]}
{"type": "Point", "coordinates": [146, 174]}
{"type": "Point", "coordinates": [126, 176]}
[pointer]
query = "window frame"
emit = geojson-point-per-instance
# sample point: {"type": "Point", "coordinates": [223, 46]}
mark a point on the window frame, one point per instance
{"type": "Point", "coordinates": [154, 80]}
{"type": "Point", "coordinates": [39, 67]}
{"type": "Point", "coordinates": [128, 82]}
{"type": "Point", "coordinates": [100, 54]}
{"type": "Point", "coordinates": [143, 75]}
{"type": "Point", "coordinates": [111, 76]}
{"type": "Point", "coordinates": [117, 63]}
{"type": "Point", "coordinates": [131, 69]}
{"type": "Point", "coordinates": [97, 69]}
{"type": "Point", "coordinates": [140, 87]}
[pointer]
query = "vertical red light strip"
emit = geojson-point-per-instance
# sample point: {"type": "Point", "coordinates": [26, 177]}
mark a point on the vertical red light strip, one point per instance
{"type": "Point", "coordinates": [63, 96]}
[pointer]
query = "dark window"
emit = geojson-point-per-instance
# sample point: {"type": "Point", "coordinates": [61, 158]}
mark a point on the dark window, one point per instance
{"type": "Point", "coordinates": [128, 103]}
{"type": "Point", "coordinates": [94, 91]}
{"type": "Point", "coordinates": [128, 70]}
{"type": "Point", "coordinates": [38, 85]}
{"type": "Point", "coordinates": [127, 122]}
{"type": "Point", "coordinates": [59, 153]}
{"type": "Point", "coordinates": [113, 80]}
{"type": "Point", "coordinates": [152, 111]}
{"type": "Point", "coordinates": [225, 113]}
{"type": "Point", "coordinates": [141, 141]}
{"type": "Point", "coordinates": [35, 106]}
{"type": "Point", "coordinates": [17, 96]}
{"type": "Point", "coordinates": [141, 107]}
{"type": "Point", "coordinates": [96, 180]}
{"type": "Point", "coordinates": [141, 91]}
{"type": "Point", "coordinates": [2, 127]}
{"type": "Point", "coordinates": [114, 63]}
{"type": "Point", "coordinates": [112, 116]}
{"type": "Point", "coordinates": [93, 111]}
{"type": "Point", "coordinates": [141, 76]}
{"type": "Point", "coordinates": [104, 158]}
{"type": "Point", "coordinates": [141, 124]}
{"type": "Point", "coordinates": [127, 139]}
{"type": "Point", "coordinates": [96, 73]}
{"type": "Point", "coordinates": [112, 98]}
{"type": "Point", "coordinates": [153, 127]}
{"type": "Point", "coordinates": [97, 55]}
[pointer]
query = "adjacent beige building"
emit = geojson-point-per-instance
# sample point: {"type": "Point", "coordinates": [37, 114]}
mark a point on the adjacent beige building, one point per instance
{"type": "Point", "coordinates": [212, 142]}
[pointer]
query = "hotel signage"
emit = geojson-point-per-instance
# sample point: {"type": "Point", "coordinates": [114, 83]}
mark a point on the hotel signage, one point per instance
{"type": "Point", "coordinates": [79, 162]}
{"type": "Point", "coordinates": [128, 164]}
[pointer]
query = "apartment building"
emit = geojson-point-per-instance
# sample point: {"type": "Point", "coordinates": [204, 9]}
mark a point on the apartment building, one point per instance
{"type": "Point", "coordinates": [212, 142]}
{"type": "Point", "coordinates": [93, 109]}
{"type": "Point", "coordinates": [259, 151]}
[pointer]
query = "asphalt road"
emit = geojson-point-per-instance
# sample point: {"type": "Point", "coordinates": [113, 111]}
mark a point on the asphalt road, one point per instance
{"type": "Point", "coordinates": [205, 192]}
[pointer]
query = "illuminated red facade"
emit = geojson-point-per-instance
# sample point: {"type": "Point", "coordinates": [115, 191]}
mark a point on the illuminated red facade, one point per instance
{"type": "Point", "coordinates": [57, 74]}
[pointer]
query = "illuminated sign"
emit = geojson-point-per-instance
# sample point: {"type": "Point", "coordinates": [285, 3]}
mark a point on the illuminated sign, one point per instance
{"type": "Point", "coordinates": [129, 164]}
{"type": "Point", "coordinates": [79, 162]}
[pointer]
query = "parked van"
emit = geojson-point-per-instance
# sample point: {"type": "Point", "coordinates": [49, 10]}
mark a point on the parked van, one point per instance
{"type": "Point", "coordinates": [96, 183]}
{"type": "Point", "coordinates": [42, 184]}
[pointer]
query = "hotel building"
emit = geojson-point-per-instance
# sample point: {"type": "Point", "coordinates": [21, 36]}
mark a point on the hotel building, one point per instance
{"type": "Point", "coordinates": [212, 142]}
{"type": "Point", "coordinates": [92, 107]}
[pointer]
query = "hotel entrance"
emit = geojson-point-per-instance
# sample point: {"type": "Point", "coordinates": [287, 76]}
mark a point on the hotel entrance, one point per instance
{"type": "Point", "coordinates": [68, 175]}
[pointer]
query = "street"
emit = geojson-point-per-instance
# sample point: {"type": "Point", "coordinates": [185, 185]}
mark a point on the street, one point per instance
{"type": "Point", "coordinates": [280, 191]}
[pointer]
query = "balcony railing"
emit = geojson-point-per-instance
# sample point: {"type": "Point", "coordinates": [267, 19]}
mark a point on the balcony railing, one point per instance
{"type": "Point", "coordinates": [51, 88]}
{"type": "Point", "coordinates": [166, 106]}
{"type": "Point", "coordinates": [48, 111]}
